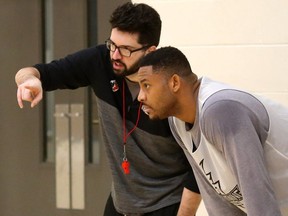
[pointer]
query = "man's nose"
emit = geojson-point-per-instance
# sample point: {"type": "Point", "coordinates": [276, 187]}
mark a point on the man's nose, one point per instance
{"type": "Point", "coordinates": [141, 96]}
{"type": "Point", "coordinates": [116, 54]}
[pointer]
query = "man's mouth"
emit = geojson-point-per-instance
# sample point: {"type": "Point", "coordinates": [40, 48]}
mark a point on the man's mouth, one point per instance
{"type": "Point", "coordinates": [146, 109]}
{"type": "Point", "coordinates": [118, 65]}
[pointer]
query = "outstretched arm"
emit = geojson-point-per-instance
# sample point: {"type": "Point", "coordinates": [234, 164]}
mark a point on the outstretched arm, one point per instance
{"type": "Point", "coordinates": [29, 86]}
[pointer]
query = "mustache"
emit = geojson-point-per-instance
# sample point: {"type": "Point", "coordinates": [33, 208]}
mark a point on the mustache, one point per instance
{"type": "Point", "coordinates": [117, 61]}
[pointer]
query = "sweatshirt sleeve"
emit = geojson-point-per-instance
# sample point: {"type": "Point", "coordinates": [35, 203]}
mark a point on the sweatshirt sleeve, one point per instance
{"type": "Point", "coordinates": [71, 72]}
{"type": "Point", "coordinates": [238, 130]}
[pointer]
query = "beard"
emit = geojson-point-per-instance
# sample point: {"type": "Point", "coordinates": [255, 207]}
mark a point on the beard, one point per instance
{"type": "Point", "coordinates": [152, 113]}
{"type": "Point", "coordinates": [166, 106]}
{"type": "Point", "coordinates": [125, 71]}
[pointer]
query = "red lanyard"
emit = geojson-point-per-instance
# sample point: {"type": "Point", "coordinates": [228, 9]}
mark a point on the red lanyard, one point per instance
{"type": "Point", "coordinates": [125, 162]}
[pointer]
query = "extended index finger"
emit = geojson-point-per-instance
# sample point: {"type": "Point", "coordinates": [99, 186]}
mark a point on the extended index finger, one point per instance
{"type": "Point", "coordinates": [19, 97]}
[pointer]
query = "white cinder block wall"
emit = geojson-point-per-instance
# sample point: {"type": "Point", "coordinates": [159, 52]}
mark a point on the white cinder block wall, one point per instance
{"type": "Point", "coordinates": [240, 42]}
{"type": "Point", "coordinates": [243, 43]}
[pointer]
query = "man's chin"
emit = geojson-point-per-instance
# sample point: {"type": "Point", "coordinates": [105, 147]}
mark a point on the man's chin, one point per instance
{"type": "Point", "coordinates": [154, 117]}
{"type": "Point", "coordinates": [119, 73]}
{"type": "Point", "coordinates": [123, 73]}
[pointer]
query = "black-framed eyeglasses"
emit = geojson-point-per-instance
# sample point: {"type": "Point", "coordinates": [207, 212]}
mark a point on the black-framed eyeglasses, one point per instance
{"type": "Point", "coordinates": [124, 51]}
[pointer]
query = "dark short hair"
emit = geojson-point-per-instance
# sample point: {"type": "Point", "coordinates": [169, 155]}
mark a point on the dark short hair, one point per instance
{"type": "Point", "coordinates": [138, 18]}
{"type": "Point", "coordinates": [169, 60]}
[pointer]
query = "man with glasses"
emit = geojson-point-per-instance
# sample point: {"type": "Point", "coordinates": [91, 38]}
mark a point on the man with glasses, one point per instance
{"type": "Point", "coordinates": [149, 169]}
{"type": "Point", "coordinates": [124, 51]}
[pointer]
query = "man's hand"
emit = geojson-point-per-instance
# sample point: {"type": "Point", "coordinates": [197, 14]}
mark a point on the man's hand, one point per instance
{"type": "Point", "coordinates": [29, 86]}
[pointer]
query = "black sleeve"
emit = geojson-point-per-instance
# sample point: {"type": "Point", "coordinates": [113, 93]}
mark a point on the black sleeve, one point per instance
{"type": "Point", "coordinates": [74, 71]}
{"type": "Point", "coordinates": [190, 183]}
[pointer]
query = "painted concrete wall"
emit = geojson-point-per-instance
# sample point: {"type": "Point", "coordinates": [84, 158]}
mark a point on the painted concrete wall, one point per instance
{"type": "Point", "coordinates": [244, 43]}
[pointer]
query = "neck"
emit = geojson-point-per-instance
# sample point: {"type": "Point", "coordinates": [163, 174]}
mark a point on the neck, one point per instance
{"type": "Point", "coordinates": [189, 102]}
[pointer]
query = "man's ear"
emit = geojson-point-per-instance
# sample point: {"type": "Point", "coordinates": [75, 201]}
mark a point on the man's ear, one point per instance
{"type": "Point", "coordinates": [150, 49]}
{"type": "Point", "coordinates": [175, 83]}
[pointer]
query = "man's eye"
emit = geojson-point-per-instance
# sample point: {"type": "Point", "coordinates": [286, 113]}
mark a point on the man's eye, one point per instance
{"type": "Point", "coordinates": [124, 49]}
{"type": "Point", "coordinates": [146, 86]}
